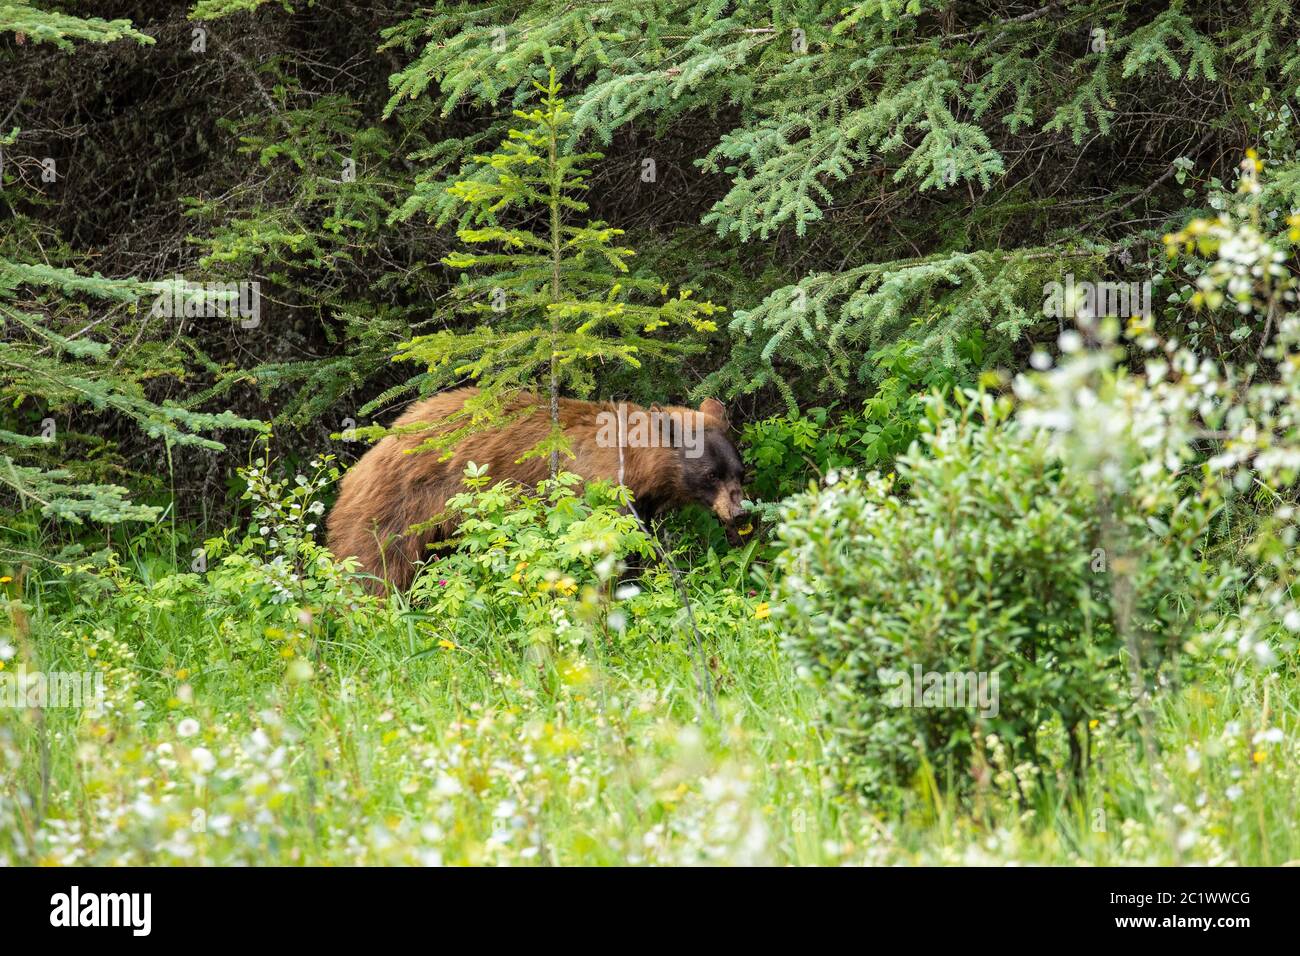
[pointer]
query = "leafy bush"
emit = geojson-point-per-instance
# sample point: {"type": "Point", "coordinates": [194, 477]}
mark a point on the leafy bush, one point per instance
{"type": "Point", "coordinates": [786, 451]}
{"type": "Point", "coordinates": [1000, 561]}
{"type": "Point", "coordinates": [536, 567]}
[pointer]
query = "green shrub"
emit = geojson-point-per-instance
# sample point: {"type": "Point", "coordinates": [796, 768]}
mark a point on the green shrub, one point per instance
{"type": "Point", "coordinates": [785, 451]}
{"type": "Point", "coordinates": [999, 568]}
{"type": "Point", "coordinates": [534, 567]}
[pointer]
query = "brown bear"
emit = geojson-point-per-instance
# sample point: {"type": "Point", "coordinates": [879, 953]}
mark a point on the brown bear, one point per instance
{"type": "Point", "coordinates": [671, 456]}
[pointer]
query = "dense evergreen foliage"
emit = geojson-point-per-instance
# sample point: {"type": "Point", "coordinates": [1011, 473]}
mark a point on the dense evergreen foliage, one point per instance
{"type": "Point", "coordinates": [847, 181]}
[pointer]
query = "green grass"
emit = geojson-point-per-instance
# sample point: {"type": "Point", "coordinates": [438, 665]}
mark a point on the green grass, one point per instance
{"type": "Point", "coordinates": [357, 738]}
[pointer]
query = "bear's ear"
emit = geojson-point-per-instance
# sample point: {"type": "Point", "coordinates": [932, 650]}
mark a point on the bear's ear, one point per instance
{"type": "Point", "coordinates": [714, 409]}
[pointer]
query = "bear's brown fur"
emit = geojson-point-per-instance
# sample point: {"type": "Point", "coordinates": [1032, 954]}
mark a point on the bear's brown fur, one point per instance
{"type": "Point", "coordinates": [389, 490]}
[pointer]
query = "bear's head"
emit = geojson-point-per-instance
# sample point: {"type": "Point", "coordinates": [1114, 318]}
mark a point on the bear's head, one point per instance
{"type": "Point", "coordinates": [712, 471]}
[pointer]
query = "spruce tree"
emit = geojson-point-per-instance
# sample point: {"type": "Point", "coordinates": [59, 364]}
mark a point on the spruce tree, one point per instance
{"type": "Point", "coordinates": [552, 293]}
{"type": "Point", "coordinates": [58, 332]}
{"type": "Point", "coordinates": [48, 362]}
{"type": "Point", "coordinates": [896, 171]}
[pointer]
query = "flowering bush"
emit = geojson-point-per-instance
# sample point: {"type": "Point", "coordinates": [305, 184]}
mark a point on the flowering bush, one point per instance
{"type": "Point", "coordinates": [996, 559]}
{"type": "Point", "coordinates": [280, 558]}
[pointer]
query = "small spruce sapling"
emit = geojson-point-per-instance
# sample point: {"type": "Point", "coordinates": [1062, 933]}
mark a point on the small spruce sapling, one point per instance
{"type": "Point", "coordinates": [552, 294]}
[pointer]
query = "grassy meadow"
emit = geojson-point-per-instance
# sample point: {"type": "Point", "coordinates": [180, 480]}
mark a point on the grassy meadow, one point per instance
{"type": "Point", "coordinates": [378, 733]}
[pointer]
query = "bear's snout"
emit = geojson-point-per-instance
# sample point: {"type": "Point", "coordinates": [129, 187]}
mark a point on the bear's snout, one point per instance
{"type": "Point", "coordinates": [728, 505]}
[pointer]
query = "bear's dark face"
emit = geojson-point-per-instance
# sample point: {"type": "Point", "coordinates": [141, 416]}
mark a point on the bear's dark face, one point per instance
{"type": "Point", "coordinates": [713, 473]}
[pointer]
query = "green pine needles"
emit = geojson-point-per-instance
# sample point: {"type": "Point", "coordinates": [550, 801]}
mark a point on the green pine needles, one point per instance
{"type": "Point", "coordinates": [60, 29]}
{"type": "Point", "coordinates": [552, 294]}
{"type": "Point", "coordinates": [49, 360]}
{"type": "Point", "coordinates": [74, 341]}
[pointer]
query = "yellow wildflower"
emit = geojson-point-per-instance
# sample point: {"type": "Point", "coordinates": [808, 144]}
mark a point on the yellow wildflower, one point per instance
{"type": "Point", "coordinates": [763, 611]}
